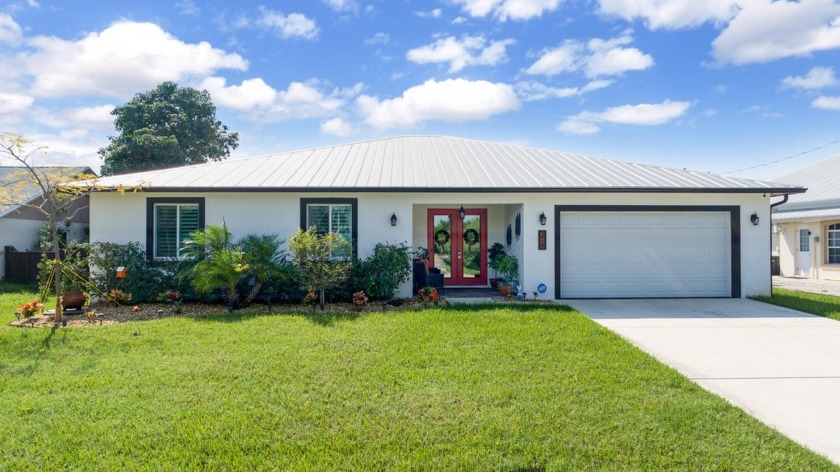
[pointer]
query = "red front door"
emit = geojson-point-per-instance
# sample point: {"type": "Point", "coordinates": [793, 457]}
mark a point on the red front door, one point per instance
{"type": "Point", "coordinates": [459, 247]}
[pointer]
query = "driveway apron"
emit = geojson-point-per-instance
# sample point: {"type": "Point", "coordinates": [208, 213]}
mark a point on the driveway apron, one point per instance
{"type": "Point", "coordinates": [779, 365]}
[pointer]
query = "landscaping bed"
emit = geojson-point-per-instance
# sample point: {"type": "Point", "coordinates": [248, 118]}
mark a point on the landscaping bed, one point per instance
{"type": "Point", "coordinates": [106, 314]}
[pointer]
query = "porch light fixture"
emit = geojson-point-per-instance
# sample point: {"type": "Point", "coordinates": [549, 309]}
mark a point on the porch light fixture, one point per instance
{"type": "Point", "coordinates": [754, 219]}
{"type": "Point", "coordinates": [462, 213]}
{"type": "Point", "coordinates": [393, 219]}
{"type": "Point", "coordinates": [543, 219]}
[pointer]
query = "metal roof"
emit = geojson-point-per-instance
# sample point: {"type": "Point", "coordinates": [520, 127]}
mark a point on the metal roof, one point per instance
{"type": "Point", "coordinates": [17, 180]}
{"type": "Point", "coordinates": [806, 215]}
{"type": "Point", "coordinates": [434, 163]}
{"type": "Point", "coordinates": [823, 182]}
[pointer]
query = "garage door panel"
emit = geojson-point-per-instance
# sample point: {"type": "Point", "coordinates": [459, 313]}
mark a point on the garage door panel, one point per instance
{"type": "Point", "coordinates": [644, 254]}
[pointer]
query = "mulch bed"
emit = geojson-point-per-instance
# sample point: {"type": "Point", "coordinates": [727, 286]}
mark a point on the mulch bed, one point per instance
{"type": "Point", "coordinates": [106, 315]}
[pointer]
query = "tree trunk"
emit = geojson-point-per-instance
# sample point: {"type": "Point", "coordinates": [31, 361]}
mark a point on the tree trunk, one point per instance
{"type": "Point", "coordinates": [323, 299]}
{"type": "Point", "coordinates": [252, 294]}
{"type": "Point", "coordinates": [57, 282]}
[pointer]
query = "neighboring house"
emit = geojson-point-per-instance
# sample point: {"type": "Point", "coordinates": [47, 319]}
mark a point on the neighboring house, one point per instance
{"type": "Point", "coordinates": [807, 226]}
{"type": "Point", "coordinates": [581, 227]}
{"type": "Point", "coordinates": [20, 225]}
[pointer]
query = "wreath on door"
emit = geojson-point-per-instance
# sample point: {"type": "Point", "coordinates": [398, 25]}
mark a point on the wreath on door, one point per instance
{"type": "Point", "coordinates": [441, 237]}
{"type": "Point", "coordinates": [471, 236]}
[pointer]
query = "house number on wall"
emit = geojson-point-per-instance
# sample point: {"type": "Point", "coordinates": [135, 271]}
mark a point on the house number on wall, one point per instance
{"type": "Point", "coordinates": [541, 239]}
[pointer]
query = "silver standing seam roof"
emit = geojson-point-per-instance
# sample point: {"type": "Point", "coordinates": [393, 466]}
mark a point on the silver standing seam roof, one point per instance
{"type": "Point", "coordinates": [822, 180]}
{"type": "Point", "coordinates": [437, 164]}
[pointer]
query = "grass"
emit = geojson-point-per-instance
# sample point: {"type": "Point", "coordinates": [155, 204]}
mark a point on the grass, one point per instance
{"type": "Point", "coordinates": [814, 303]}
{"type": "Point", "coordinates": [473, 388]}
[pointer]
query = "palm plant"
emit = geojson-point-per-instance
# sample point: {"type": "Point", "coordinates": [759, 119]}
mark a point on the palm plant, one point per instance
{"type": "Point", "coordinates": [213, 262]}
{"type": "Point", "coordinates": [266, 261]}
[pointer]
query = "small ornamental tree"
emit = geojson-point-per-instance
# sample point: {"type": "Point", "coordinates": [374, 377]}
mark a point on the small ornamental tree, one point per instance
{"type": "Point", "coordinates": [53, 196]}
{"type": "Point", "coordinates": [321, 262]}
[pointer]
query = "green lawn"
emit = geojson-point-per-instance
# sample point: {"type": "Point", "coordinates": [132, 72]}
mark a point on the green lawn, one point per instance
{"type": "Point", "coordinates": [817, 304]}
{"type": "Point", "coordinates": [479, 388]}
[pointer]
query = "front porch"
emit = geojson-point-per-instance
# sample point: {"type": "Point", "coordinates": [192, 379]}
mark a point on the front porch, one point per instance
{"type": "Point", "coordinates": [457, 242]}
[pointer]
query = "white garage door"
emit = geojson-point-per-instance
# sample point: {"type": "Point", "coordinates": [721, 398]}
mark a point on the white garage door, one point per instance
{"type": "Point", "coordinates": [644, 254]}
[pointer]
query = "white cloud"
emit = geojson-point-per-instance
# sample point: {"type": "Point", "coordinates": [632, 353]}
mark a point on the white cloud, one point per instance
{"type": "Point", "coordinates": [337, 127]}
{"type": "Point", "coordinates": [452, 100]}
{"type": "Point", "coordinates": [378, 38]}
{"type": "Point", "coordinates": [436, 13]}
{"type": "Point", "coordinates": [123, 59]}
{"type": "Point", "coordinates": [817, 78]}
{"type": "Point", "coordinates": [670, 14]}
{"type": "Point", "coordinates": [76, 120]}
{"type": "Point", "coordinates": [293, 25]}
{"type": "Point", "coordinates": [264, 103]}
{"type": "Point", "coordinates": [468, 51]}
{"type": "Point", "coordinates": [343, 5]}
{"type": "Point", "coordinates": [766, 31]}
{"type": "Point", "coordinates": [250, 94]}
{"type": "Point", "coordinates": [508, 9]}
{"type": "Point", "coordinates": [188, 7]}
{"type": "Point", "coordinates": [98, 115]}
{"type": "Point", "coordinates": [530, 91]}
{"type": "Point", "coordinates": [826, 103]}
{"type": "Point", "coordinates": [563, 58]}
{"type": "Point", "coordinates": [459, 20]}
{"type": "Point", "coordinates": [14, 103]}
{"type": "Point", "coordinates": [572, 126]}
{"type": "Point", "coordinates": [10, 32]}
{"type": "Point", "coordinates": [646, 114]}
{"type": "Point", "coordinates": [597, 58]}
{"type": "Point", "coordinates": [610, 57]}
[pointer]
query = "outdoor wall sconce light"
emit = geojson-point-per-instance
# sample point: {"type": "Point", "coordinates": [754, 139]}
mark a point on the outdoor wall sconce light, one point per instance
{"type": "Point", "coordinates": [543, 219]}
{"type": "Point", "coordinates": [518, 225]}
{"type": "Point", "coordinates": [393, 219]}
{"type": "Point", "coordinates": [754, 219]}
{"type": "Point", "coordinates": [462, 213]}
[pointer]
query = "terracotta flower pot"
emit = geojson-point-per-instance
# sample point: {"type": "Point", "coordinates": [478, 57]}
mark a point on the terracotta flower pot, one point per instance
{"type": "Point", "coordinates": [506, 290]}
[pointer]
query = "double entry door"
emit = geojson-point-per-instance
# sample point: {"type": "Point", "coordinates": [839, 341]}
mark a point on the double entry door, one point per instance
{"type": "Point", "coordinates": [459, 247]}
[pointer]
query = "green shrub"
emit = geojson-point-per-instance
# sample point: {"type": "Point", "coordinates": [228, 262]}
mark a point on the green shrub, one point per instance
{"type": "Point", "coordinates": [381, 274]}
{"type": "Point", "coordinates": [144, 279]}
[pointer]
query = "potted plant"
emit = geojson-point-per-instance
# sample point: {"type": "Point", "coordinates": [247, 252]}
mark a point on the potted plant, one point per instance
{"type": "Point", "coordinates": [422, 254]}
{"type": "Point", "coordinates": [508, 269]}
{"type": "Point", "coordinates": [496, 250]}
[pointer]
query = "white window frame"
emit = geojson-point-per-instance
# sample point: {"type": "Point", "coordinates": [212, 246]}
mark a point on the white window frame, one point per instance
{"type": "Point", "coordinates": [330, 207]}
{"type": "Point", "coordinates": [828, 246]}
{"type": "Point", "coordinates": [178, 206]}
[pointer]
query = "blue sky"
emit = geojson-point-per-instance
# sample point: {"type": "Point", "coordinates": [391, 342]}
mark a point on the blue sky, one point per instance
{"type": "Point", "coordinates": [713, 85]}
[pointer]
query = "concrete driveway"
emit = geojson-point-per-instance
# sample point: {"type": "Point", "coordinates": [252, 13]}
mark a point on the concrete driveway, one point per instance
{"type": "Point", "coordinates": [781, 366]}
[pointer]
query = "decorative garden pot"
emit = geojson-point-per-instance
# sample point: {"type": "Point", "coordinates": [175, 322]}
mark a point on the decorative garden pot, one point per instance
{"type": "Point", "coordinates": [506, 290]}
{"type": "Point", "coordinates": [73, 300]}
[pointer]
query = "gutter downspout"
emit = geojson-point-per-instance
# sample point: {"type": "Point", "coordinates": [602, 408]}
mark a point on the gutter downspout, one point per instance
{"type": "Point", "coordinates": [774, 205]}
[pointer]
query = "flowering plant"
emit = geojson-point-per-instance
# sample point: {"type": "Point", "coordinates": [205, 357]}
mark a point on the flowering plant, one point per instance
{"type": "Point", "coordinates": [32, 308]}
{"type": "Point", "coordinates": [360, 299]}
{"type": "Point", "coordinates": [428, 294]}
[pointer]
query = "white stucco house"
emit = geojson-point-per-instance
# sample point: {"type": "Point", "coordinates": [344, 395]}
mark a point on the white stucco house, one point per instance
{"type": "Point", "coordinates": [806, 227]}
{"type": "Point", "coordinates": [581, 227]}
{"type": "Point", "coordinates": [20, 223]}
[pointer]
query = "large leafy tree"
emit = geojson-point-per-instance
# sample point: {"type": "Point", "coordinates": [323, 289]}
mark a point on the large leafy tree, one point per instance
{"type": "Point", "coordinates": [166, 127]}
